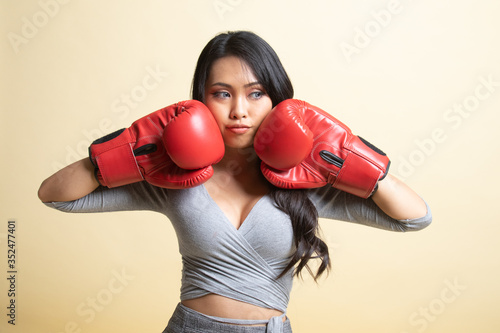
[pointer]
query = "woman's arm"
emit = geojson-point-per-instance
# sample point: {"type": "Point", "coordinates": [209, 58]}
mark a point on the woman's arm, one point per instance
{"type": "Point", "coordinates": [70, 183]}
{"type": "Point", "coordinates": [398, 200]}
{"type": "Point", "coordinates": [409, 212]}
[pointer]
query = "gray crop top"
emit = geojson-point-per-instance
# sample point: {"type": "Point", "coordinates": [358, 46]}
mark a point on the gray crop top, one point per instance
{"type": "Point", "coordinates": [242, 263]}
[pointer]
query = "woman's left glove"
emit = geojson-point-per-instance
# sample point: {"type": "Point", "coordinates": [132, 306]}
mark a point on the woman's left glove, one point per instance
{"type": "Point", "coordinates": [302, 146]}
{"type": "Point", "coordinates": [173, 147]}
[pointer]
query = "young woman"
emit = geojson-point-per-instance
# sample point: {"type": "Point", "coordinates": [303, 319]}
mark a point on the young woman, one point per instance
{"type": "Point", "coordinates": [241, 236]}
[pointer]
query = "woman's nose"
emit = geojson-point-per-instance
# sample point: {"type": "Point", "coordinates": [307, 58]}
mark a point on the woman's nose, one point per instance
{"type": "Point", "coordinates": [238, 110]}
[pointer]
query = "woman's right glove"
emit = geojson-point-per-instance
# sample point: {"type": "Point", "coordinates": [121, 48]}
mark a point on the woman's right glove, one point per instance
{"type": "Point", "coordinates": [302, 146]}
{"type": "Point", "coordinates": [173, 147]}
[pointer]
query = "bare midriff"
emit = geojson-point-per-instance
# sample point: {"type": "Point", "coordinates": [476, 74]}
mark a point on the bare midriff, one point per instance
{"type": "Point", "coordinates": [224, 307]}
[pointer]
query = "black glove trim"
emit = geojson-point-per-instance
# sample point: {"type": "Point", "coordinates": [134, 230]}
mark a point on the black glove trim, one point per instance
{"type": "Point", "coordinates": [375, 149]}
{"type": "Point", "coordinates": [109, 136]}
{"type": "Point", "coordinates": [331, 158]}
{"type": "Point", "coordinates": [146, 149]}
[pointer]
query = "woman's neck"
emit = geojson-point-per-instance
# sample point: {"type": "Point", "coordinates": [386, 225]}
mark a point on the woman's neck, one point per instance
{"type": "Point", "coordinates": [238, 172]}
{"type": "Point", "coordinates": [237, 161]}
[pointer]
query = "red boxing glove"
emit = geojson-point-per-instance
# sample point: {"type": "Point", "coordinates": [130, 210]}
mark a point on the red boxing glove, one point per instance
{"type": "Point", "coordinates": [173, 147]}
{"type": "Point", "coordinates": [302, 146]}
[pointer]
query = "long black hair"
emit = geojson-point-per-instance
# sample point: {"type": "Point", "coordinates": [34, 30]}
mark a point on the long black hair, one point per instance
{"type": "Point", "coordinates": [255, 52]}
{"type": "Point", "coordinates": [267, 68]}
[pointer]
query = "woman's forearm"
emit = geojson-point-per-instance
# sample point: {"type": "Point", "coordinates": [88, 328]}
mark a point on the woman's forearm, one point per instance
{"type": "Point", "coordinates": [70, 183]}
{"type": "Point", "coordinates": [398, 200]}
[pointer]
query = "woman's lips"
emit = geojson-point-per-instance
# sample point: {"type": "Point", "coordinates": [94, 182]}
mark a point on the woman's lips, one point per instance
{"type": "Point", "coordinates": [239, 129]}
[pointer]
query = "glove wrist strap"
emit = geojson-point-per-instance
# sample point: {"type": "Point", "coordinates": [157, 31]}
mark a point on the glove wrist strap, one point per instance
{"type": "Point", "coordinates": [115, 161]}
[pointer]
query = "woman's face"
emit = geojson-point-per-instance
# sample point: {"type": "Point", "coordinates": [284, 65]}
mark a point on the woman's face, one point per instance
{"type": "Point", "coordinates": [237, 100]}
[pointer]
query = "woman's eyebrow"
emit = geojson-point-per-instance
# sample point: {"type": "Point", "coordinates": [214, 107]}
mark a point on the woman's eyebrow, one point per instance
{"type": "Point", "coordinates": [221, 84]}
{"type": "Point", "coordinates": [256, 83]}
{"type": "Point", "coordinates": [226, 85]}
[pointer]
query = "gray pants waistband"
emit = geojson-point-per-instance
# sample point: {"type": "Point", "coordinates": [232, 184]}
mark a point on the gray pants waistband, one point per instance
{"type": "Point", "coordinates": [185, 319]}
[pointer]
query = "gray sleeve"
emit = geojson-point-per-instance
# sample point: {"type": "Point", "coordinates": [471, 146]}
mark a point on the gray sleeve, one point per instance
{"type": "Point", "coordinates": [335, 204]}
{"type": "Point", "coordinates": [137, 196]}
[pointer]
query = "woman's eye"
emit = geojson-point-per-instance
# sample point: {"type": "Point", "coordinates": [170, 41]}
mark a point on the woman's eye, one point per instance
{"type": "Point", "coordinates": [221, 94]}
{"type": "Point", "coordinates": [257, 94]}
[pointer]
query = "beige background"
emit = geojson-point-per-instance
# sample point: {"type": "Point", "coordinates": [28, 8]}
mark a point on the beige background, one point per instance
{"type": "Point", "coordinates": [397, 72]}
